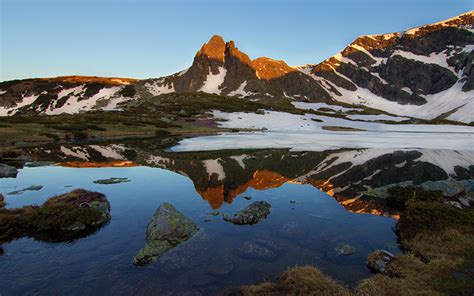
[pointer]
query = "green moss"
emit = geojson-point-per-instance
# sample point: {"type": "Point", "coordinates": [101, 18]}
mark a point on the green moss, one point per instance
{"type": "Point", "coordinates": [69, 213]}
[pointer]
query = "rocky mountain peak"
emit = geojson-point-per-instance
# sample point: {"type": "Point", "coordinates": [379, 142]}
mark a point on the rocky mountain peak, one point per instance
{"type": "Point", "coordinates": [267, 68]}
{"type": "Point", "coordinates": [213, 49]}
{"type": "Point", "coordinates": [233, 52]}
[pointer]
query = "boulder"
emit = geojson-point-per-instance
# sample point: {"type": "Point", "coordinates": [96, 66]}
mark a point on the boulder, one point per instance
{"type": "Point", "coordinates": [291, 230]}
{"type": "Point", "coordinates": [61, 218]}
{"type": "Point", "coordinates": [30, 188]}
{"type": "Point", "coordinates": [80, 209]}
{"type": "Point", "coordinates": [259, 249]}
{"type": "Point", "coordinates": [221, 267]}
{"type": "Point", "coordinates": [345, 249]}
{"type": "Point", "coordinates": [111, 181]}
{"type": "Point", "coordinates": [7, 171]}
{"type": "Point", "coordinates": [167, 229]}
{"type": "Point", "coordinates": [378, 261]}
{"type": "Point", "coordinates": [252, 214]}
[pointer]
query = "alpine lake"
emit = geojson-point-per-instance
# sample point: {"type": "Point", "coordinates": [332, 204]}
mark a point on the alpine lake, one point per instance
{"type": "Point", "coordinates": [327, 210]}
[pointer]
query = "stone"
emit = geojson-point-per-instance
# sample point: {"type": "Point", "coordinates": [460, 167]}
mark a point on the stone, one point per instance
{"type": "Point", "coordinates": [61, 218]}
{"type": "Point", "coordinates": [455, 204]}
{"type": "Point", "coordinates": [167, 229]}
{"type": "Point", "coordinates": [190, 254]}
{"type": "Point", "coordinates": [247, 197]}
{"type": "Point", "coordinates": [259, 249]}
{"type": "Point", "coordinates": [378, 261]}
{"type": "Point", "coordinates": [466, 201]}
{"type": "Point", "coordinates": [291, 230]}
{"type": "Point", "coordinates": [31, 188]}
{"type": "Point", "coordinates": [2, 201]}
{"type": "Point", "coordinates": [221, 267]}
{"type": "Point", "coordinates": [79, 198]}
{"type": "Point", "coordinates": [345, 249]}
{"type": "Point", "coordinates": [252, 214]}
{"type": "Point", "coordinates": [7, 171]}
{"type": "Point", "coordinates": [111, 181]}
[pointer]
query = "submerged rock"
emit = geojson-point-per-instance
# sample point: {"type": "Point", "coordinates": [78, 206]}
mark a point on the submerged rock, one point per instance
{"type": "Point", "coordinates": [345, 249]}
{"type": "Point", "coordinates": [167, 229]}
{"type": "Point", "coordinates": [378, 261]}
{"type": "Point", "coordinates": [31, 188]}
{"type": "Point", "coordinates": [291, 230]}
{"type": "Point", "coordinates": [7, 171]}
{"type": "Point", "coordinates": [111, 181]}
{"type": "Point", "coordinates": [252, 214]}
{"type": "Point", "coordinates": [260, 249]}
{"type": "Point", "coordinates": [221, 267]}
{"type": "Point", "coordinates": [60, 218]}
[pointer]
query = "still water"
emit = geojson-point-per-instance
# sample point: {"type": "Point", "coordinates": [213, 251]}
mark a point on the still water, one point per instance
{"type": "Point", "coordinates": [304, 227]}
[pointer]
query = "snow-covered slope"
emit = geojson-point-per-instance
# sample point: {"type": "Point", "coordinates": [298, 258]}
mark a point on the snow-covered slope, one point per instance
{"type": "Point", "coordinates": [424, 72]}
{"type": "Point", "coordinates": [70, 94]}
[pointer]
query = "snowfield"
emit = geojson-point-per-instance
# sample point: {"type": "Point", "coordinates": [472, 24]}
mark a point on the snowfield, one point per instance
{"type": "Point", "coordinates": [303, 133]}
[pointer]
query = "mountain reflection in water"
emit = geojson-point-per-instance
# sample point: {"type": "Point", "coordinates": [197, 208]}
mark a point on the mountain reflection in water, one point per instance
{"type": "Point", "coordinates": [304, 232]}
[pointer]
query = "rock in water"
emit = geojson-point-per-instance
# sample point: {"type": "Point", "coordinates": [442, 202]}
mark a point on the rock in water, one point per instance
{"type": "Point", "coordinates": [2, 201]}
{"type": "Point", "coordinates": [80, 209]}
{"type": "Point", "coordinates": [111, 181]}
{"type": "Point", "coordinates": [61, 218]}
{"type": "Point", "coordinates": [31, 188]}
{"type": "Point", "coordinates": [7, 171]}
{"type": "Point", "coordinates": [345, 249]}
{"type": "Point", "coordinates": [378, 261]}
{"type": "Point", "coordinates": [252, 214]}
{"type": "Point", "coordinates": [167, 229]}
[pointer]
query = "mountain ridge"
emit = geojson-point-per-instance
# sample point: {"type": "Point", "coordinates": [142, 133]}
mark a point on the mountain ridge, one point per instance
{"type": "Point", "coordinates": [424, 72]}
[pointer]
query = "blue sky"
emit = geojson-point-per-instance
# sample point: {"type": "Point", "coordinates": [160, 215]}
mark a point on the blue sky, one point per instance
{"type": "Point", "coordinates": [144, 38]}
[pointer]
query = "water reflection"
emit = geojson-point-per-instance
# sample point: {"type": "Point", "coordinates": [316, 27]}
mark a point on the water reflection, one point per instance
{"type": "Point", "coordinates": [305, 232]}
{"type": "Point", "coordinates": [352, 177]}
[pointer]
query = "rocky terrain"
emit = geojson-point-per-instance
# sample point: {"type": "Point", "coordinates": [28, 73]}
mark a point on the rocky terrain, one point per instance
{"type": "Point", "coordinates": [424, 72]}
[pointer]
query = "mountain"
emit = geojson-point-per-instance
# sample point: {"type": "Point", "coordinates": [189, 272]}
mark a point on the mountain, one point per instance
{"type": "Point", "coordinates": [67, 94]}
{"type": "Point", "coordinates": [221, 68]}
{"type": "Point", "coordinates": [425, 72]}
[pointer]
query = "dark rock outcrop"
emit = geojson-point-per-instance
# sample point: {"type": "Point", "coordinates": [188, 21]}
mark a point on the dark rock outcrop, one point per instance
{"type": "Point", "coordinates": [167, 229]}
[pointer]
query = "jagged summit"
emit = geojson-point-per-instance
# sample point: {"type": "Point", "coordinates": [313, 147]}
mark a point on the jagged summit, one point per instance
{"type": "Point", "coordinates": [220, 67]}
{"type": "Point", "coordinates": [214, 49]}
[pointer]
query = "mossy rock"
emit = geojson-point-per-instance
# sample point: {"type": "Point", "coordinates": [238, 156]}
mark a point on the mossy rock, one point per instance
{"type": "Point", "coordinates": [61, 218]}
{"type": "Point", "coordinates": [252, 214]}
{"type": "Point", "coordinates": [167, 229]}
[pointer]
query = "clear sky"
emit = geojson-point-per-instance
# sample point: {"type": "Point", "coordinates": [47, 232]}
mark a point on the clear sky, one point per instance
{"type": "Point", "coordinates": [145, 38]}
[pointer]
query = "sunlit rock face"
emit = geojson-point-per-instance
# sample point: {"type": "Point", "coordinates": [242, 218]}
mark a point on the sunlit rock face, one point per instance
{"type": "Point", "coordinates": [220, 67]}
{"type": "Point", "coordinates": [357, 179]}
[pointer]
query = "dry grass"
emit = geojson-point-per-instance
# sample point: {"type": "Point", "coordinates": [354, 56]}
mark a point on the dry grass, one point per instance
{"type": "Point", "coordinates": [305, 280]}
